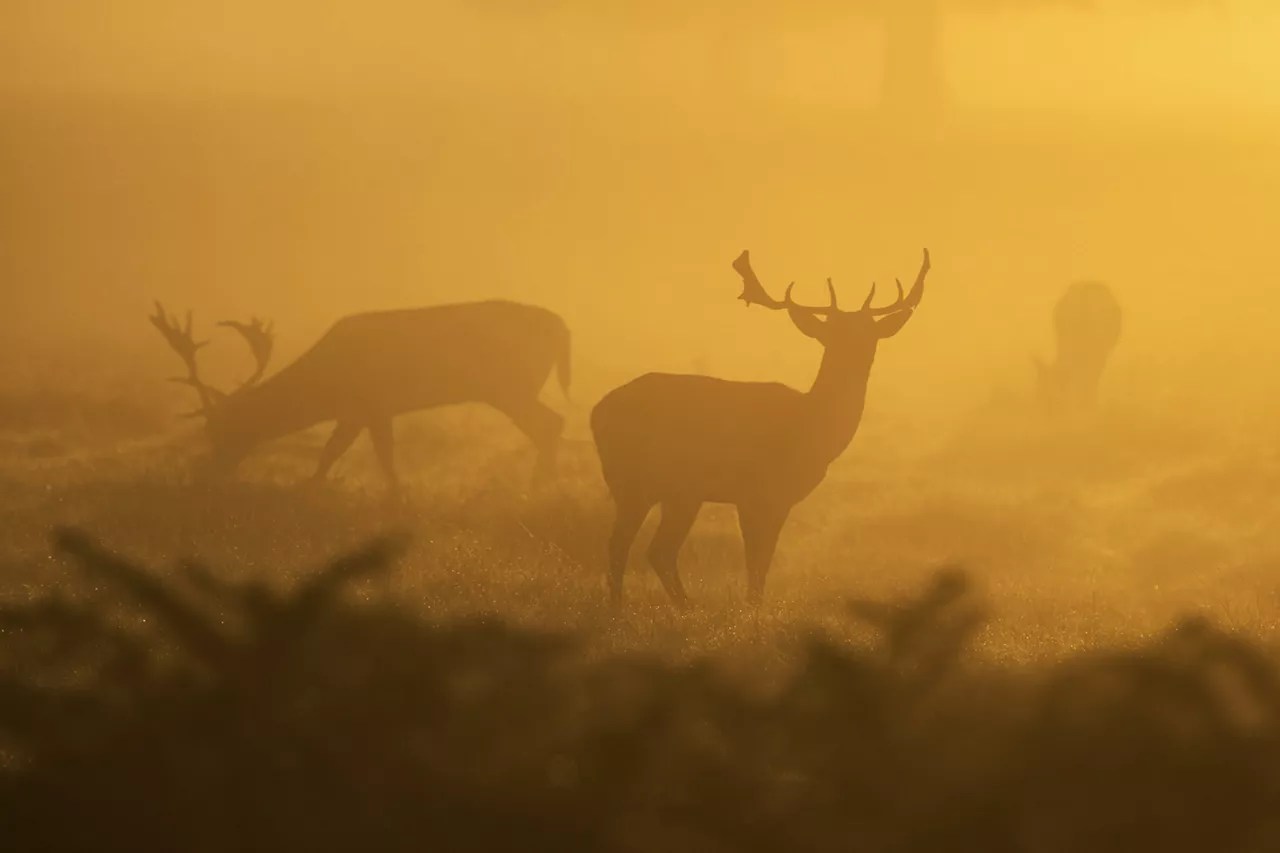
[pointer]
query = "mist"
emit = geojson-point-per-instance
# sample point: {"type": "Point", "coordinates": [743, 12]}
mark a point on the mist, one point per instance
{"type": "Point", "coordinates": [306, 163]}
{"type": "Point", "coordinates": [302, 164]}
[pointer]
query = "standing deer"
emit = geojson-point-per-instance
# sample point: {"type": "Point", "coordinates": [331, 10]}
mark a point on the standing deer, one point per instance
{"type": "Point", "coordinates": [1087, 323]}
{"type": "Point", "coordinates": [681, 440]}
{"type": "Point", "coordinates": [370, 367]}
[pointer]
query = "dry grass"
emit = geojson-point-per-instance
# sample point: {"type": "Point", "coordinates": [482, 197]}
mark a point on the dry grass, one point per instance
{"type": "Point", "coordinates": [1083, 537]}
{"type": "Point", "coordinates": [268, 697]}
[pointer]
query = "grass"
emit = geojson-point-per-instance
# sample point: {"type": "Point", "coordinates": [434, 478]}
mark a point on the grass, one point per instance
{"type": "Point", "coordinates": [249, 717]}
{"type": "Point", "coordinates": [212, 660]}
{"type": "Point", "coordinates": [1081, 539]}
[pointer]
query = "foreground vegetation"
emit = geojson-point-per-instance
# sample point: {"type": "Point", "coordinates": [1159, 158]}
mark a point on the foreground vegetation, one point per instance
{"type": "Point", "coordinates": [461, 685]}
{"type": "Point", "coordinates": [224, 715]}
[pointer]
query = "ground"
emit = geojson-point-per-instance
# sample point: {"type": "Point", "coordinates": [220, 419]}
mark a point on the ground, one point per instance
{"type": "Point", "coordinates": [1080, 537]}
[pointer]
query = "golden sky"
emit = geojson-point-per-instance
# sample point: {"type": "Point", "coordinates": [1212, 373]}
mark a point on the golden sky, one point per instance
{"type": "Point", "coordinates": [1197, 58]}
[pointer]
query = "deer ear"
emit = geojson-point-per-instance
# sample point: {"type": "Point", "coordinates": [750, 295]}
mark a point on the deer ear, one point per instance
{"type": "Point", "coordinates": [892, 324]}
{"type": "Point", "coordinates": [809, 324]}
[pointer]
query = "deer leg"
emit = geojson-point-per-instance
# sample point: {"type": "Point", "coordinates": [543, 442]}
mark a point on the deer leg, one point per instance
{"type": "Point", "coordinates": [383, 448]}
{"type": "Point", "coordinates": [630, 514]}
{"type": "Point", "coordinates": [760, 527]}
{"type": "Point", "coordinates": [344, 435]}
{"type": "Point", "coordinates": [664, 550]}
{"type": "Point", "coordinates": [543, 426]}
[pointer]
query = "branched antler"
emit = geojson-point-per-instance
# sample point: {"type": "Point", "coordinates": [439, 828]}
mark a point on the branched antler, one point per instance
{"type": "Point", "coordinates": [910, 300]}
{"type": "Point", "coordinates": [753, 292]}
{"type": "Point", "coordinates": [260, 336]}
{"type": "Point", "coordinates": [261, 339]}
{"type": "Point", "coordinates": [181, 341]}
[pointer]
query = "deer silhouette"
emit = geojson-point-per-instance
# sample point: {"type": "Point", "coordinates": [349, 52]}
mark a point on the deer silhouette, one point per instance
{"type": "Point", "coordinates": [683, 440]}
{"type": "Point", "coordinates": [1087, 324]}
{"type": "Point", "coordinates": [370, 367]}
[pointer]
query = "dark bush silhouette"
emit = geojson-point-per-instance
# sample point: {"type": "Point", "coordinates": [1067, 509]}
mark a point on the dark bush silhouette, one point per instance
{"type": "Point", "coordinates": [194, 714]}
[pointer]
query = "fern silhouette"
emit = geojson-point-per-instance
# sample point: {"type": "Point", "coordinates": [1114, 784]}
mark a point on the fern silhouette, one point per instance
{"type": "Point", "coordinates": [188, 712]}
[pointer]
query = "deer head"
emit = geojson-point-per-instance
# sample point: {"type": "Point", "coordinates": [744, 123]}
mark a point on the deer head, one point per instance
{"type": "Point", "coordinates": [849, 331]}
{"type": "Point", "coordinates": [1087, 322]}
{"type": "Point", "coordinates": [259, 335]}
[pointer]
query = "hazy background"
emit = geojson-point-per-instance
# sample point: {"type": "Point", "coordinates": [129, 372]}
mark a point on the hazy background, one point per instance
{"type": "Point", "coordinates": [609, 159]}
{"type": "Point", "coordinates": [303, 160]}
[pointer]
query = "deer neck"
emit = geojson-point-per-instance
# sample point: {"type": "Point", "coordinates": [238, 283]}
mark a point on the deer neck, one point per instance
{"type": "Point", "coordinates": [268, 411]}
{"type": "Point", "coordinates": [836, 401]}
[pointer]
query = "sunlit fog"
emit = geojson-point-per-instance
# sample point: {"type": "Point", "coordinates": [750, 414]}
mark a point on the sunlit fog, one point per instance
{"type": "Point", "coordinates": [506, 276]}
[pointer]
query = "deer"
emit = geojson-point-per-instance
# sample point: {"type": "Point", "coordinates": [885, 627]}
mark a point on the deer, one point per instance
{"type": "Point", "coordinates": [370, 367]}
{"type": "Point", "coordinates": [1087, 324]}
{"type": "Point", "coordinates": [680, 440]}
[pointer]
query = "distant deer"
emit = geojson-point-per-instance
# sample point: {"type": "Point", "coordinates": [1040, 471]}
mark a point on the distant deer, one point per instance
{"type": "Point", "coordinates": [1087, 324]}
{"type": "Point", "coordinates": [681, 441]}
{"type": "Point", "coordinates": [370, 367]}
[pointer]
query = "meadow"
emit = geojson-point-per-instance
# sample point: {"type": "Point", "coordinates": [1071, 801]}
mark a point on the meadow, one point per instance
{"type": "Point", "coordinates": [1065, 647]}
{"type": "Point", "coordinates": [1084, 535]}
{"type": "Point", "coordinates": [1069, 705]}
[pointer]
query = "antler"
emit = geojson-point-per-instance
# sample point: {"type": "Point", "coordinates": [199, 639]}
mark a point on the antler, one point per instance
{"type": "Point", "coordinates": [259, 335]}
{"type": "Point", "coordinates": [182, 342]}
{"type": "Point", "coordinates": [753, 292]}
{"type": "Point", "coordinates": [261, 339]}
{"type": "Point", "coordinates": [834, 308]}
{"type": "Point", "coordinates": [911, 300]}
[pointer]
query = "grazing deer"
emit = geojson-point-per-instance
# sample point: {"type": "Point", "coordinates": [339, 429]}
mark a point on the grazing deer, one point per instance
{"type": "Point", "coordinates": [1087, 323]}
{"type": "Point", "coordinates": [681, 441]}
{"type": "Point", "coordinates": [370, 367]}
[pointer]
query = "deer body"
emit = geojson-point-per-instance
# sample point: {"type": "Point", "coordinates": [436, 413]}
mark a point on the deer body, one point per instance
{"type": "Point", "coordinates": [680, 441]}
{"type": "Point", "coordinates": [1087, 325]}
{"type": "Point", "coordinates": [369, 368]}
{"type": "Point", "coordinates": [704, 439]}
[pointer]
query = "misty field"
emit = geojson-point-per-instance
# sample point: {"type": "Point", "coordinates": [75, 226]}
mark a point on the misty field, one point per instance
{"type": "Point", "coordinates": [990, 631]}
{"type": "Point", "coordinates": [1082, 535]}
{"type": "Point", "coordinates": [624, 219]}
{"type": "Point", "coordinates": [1037, 688]}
